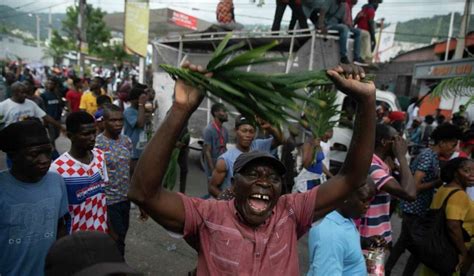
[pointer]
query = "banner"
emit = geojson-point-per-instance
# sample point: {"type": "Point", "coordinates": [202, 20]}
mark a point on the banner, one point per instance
{"type": "Point", "coordinates": [137, 20]}
{"type": "Point", "coordinates": [182, 19]}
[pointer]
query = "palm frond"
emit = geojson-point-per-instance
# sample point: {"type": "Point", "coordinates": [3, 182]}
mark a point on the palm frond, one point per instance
{"type": "Point", "coordinates": [455, 87]}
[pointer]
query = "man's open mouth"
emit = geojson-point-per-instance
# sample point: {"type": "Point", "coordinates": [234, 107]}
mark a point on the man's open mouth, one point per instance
{"type": "Point", "coordinates": [259, 202]}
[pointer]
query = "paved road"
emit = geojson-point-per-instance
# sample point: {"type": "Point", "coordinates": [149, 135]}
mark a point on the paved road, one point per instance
{"type": "Point", "coordinates": [150, 249]}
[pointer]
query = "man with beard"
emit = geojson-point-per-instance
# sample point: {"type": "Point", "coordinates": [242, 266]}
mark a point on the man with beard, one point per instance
{"type": "Point", "coordinates": [33, 201]}
{"type": "Point", "coordinates": [117, 150]}
{"type": "Point", "coordinates": [256, 232]}
{"type": "Point", "coordinates": [216, 137]}
{"type": "Point", "coordinates": [84, 172]}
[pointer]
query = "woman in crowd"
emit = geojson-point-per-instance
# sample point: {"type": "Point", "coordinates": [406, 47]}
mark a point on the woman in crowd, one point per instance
{"type": "Point", "coordinates": [458, 174]}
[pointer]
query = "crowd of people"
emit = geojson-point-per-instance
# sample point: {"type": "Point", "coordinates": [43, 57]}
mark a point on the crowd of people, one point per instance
{"type": "Point", "coordinates": [257, 206]}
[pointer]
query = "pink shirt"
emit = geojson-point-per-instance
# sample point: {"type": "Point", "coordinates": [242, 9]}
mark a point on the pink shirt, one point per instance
{"type": "Point", "coordinates": [226, 245]}
{"type": "Point", "coordinates": [376, 222]}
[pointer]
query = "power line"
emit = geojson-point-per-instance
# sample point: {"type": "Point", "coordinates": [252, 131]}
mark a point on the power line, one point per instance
{"type": "Point", "coordinates": [20, 13]}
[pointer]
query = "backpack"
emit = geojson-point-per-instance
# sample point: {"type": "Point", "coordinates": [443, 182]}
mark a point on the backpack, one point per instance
{"type": "Point", "coordinates": [431, 242]}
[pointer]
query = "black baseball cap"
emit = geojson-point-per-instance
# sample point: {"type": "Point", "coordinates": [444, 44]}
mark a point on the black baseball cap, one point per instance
{"type": "Point", "coordinates": [248, 157]}
{"type": "Point", "coordinates": [86, 253]}
{"type": "Point", "coordinates": [242, 120]}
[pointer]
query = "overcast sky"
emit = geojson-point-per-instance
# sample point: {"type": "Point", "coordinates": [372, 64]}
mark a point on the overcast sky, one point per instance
{"type": "Point", "coordinates": [247, 12]}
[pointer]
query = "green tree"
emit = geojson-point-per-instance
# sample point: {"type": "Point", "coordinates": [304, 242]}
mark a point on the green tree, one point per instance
{"type": "Point", "coordinates": [115, 53]}
{"type": "Point", "coordinates": [57, 48]}
{"type": "Point", "coordinates": [97, 33]}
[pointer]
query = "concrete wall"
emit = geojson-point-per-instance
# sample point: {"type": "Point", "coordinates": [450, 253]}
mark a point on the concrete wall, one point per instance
{"type": "Point", "coordinates": [12, 47]}
{"type": "Point", "coordinates": [397, 75]}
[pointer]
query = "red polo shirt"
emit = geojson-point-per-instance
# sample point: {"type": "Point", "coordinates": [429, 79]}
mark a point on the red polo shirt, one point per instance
{"type": "Point", "coordinates": [226, 245]}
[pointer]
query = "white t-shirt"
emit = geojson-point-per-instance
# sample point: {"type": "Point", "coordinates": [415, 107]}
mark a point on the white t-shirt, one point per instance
{"type": "Point", "coordinates": [12, 112]}
{"type": "Point", "coordinates": [326, 148]}
{"type": "Point", "coordinates": [412, 111]}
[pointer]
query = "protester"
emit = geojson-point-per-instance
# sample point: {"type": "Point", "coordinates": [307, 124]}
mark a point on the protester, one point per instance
{"type": "Point", "coordinates": [458, 174]}
{"type": "Point", "coordinates": [224, 232]}
{"type": "Point", "coordinates": [54, 108]}
{"type": "Point", "coordinates": [296, 14]}
{"type": "Point", "coordinates": [134, 125]}
{"type": "Point", "coordinates": [365, 39]}
{"type": "Point", "coordinates": [215, 137]}
{"type": "Point", "coordinates": [397, 121]}
{"type": "Point", "coordinates": [89, 98]}
{"type": "Point", "coordinates": [10, 79]}
{"type": "Point", "coordinates": [467, 144]}
{"type": "Point", "coordinates": [415, 132]}
{"type": "Point", "coordinates": [311, 175]}
{"type": "Point", "coordinates": [427, 128]}
{"type": "Point", "coordinates": [315, 10]}
{"type": "Point", "coordinates": [31, 93]}
{"type": "Point", "coordinates": [102, 101]}
{"type": "Point", "coordinates": [84, 171]}
{"type": "Point", "coordinates": [388, 144]}
{"type": "Point", "coordinates": [74, 95]}
{"type": "Point", "coordinates": [326, 148]}
{"type": "Point", "coordinates": [334, 243]}
{"type": "Point", "coordinates": [289, 154]}
{"type": "Point", "coordinates": [117, 149]}
{"type": "Point", "coordinates": [245, 141]}
{"type": "Point", "coordinates": [335, 20]}
{"type": "Point", "coordinates": [364, 21]}
{"type": "Point", "coordinates": [19, 108]}
{"type": "Point", "coordinates": [425, 168]}
{"type": "Point", "coordinates": [86, 253]}
{"type": "Point", "coordinates": [226, 17]}
{"type": "Point", "coordinates": [33, 201]}
{"type": "Point", "coordinates": [183, 146]}
{"type": "Point", "coordinates": [412, 111]}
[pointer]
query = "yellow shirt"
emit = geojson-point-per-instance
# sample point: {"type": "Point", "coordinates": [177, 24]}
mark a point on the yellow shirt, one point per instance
{"type": "Point", "coordinates": [89, 102]}
{"type": "Point", "coordinates": [459, 206]}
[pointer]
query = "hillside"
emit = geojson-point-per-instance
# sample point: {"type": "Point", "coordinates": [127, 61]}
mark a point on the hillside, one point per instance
{"type": "Point", "coordinates": [423, 30]}
{"type": "Point", "coordinates": [14, 19]}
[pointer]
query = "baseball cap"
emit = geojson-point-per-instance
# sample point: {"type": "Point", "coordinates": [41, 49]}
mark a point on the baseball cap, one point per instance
{"type": "Point", "coordinates": [396, 116]}
{"type": "Point", "coordinates": [241, 120]}
{"type": "Point", "coordinates": [247, 157]}
{"type": "Point", "coordinates": [86, 253]}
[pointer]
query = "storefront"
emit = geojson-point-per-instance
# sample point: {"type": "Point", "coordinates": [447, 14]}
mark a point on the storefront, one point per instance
{"type": "Point", "coordinates": [427, 75]}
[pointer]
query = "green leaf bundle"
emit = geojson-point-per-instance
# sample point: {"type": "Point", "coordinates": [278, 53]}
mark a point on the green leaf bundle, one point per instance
{"type": "Point", "coordinates": [272, 97]}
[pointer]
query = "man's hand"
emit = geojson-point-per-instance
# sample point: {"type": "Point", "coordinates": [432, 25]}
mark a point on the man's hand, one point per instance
{"type": "Point", "coordinates": [142, 99]}
{"type": "Point", "coordinates": [188, 97]}
{"type": "Point", "coordinates": [373, 242]}
{"type": "Point", "coordinates": [347, 78]}
{"type": "Point", "coordinates": [399, 147]}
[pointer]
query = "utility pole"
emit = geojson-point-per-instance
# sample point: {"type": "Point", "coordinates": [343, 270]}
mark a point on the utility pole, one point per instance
{"type": "Point", "coordinates": [81, 28]}
{"type": "Point", "coordinates": [38, 39]}
{"type": "Point", "coordinates": [450, 35]}
{"type": "Point", "coordinates": [461, 41]}
{"type": "Point", "coordinates": [50, 24]}
{"type": "Point", "coordinates": [379, 38]}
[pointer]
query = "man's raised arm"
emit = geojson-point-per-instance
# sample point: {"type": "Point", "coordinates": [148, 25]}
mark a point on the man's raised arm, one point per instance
{"type": "Point", "coordinates": [354, 171]}
{"type": "Point", "coordinates": [163, 206]}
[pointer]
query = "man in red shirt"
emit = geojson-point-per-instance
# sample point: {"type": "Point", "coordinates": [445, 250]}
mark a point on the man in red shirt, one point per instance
{"type": "Point", "coordinates": [365, 22]}
{"type": "Point", "coordinates": [256, 232]}
{"type": "Point", "coordinates": [74, 94]}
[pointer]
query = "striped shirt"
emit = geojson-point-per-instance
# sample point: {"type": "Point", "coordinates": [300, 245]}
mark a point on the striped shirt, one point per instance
{"type": "Point", "coordinates": [85, 190]}
{"type": "Point", "coordinates": [376, 222]}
